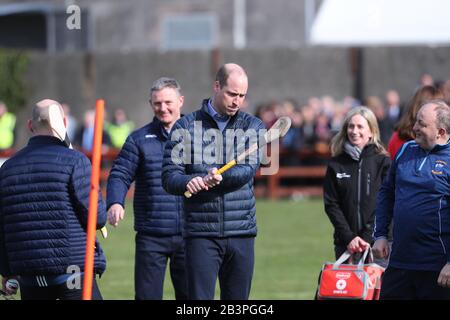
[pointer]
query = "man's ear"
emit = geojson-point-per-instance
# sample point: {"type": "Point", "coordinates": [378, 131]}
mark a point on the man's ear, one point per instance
{"type": "Point", "coordinates": [30, 125]}
{"type": "Point", "coordinates": [216, 86]}
{"type": "Point", "coordinates": [181, 101]}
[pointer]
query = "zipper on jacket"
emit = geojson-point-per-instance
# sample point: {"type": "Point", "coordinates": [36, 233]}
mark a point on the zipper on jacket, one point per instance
{"type": "Point", "coordinates": [221, 217]}
{"type": "Point", "coordinates": [230, 125]}
{"type": "Point", "coordinates": [178, 215]}
{"type": "Point", "coordinates": [423, 161]}
{"type": "Point", "coordinates": [440, 227]}
{"type": "Point", "coordinates": [368, 185]}
{"type": "Point", "coordinates": [359, 196]}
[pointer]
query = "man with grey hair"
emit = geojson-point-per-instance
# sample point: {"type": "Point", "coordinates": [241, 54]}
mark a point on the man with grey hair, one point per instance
{"type": "Point", "coordinates": [416, 196]}
{"type": "Point", "coordinates": [157, 215]}
{"type": "Point", "coordinates": [44, 201]}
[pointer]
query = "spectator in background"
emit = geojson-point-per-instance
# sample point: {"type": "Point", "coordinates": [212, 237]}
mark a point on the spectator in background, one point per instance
{"type": "Point", "coordinates": [294, 138]}
{"type": "Point", "coordinates": [293, 141]}
{"type": "Point", "coordinates": [287, 107]}
{"type": "Point", "coordinates": [266, 113]}
{"type": "Point", "coordinates": [426, 79]}
{"type": "Point", "coordinates": [353, 177]}
{"type": "Point", "coordinates": [322, 133]}
{"type": "Point", "coordinates": [328, 106]}
{"type": "Point", "coordinates": [84, 139]}
{"type": "Point", "coordinates": [393, 107]}
{"type": "Point", "coordinates": [404, 130]}
{"type": "Point", "coordinates": [315, 105]}
{"type": "Point", "coordinates": [119, 129]}
{"type": "Point", "coordinates": [444, 86]}
{"type": "Point", "coordinates": [375, 104]}
{"type": "Point", "coordinates": [338, 116]}
{"type": "Point", "coordinates": [446, 90]}
{"type": "Point", "coordinates": [350, 102]}
{"type": "Point", "coordinates": [309, 119]}
{"type": "Point", "coordinates": [7, 127]}
{"type": "Point", "coordinates": [72, 125]}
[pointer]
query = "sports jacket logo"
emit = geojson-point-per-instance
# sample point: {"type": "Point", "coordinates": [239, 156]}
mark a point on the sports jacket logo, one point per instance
{"type": "Point", "coordinates": [439, 167]}
{"type": "Point", "coordinates": [150, 136]}
{"type": "Point", "coordinates": [342, 175]}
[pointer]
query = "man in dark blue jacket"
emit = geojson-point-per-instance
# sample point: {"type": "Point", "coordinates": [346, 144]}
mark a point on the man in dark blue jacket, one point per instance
{"type": "Point", "coordinates": [416, 196]}
{"type": "Point", "coordinates": [220, 217]}
{"type": "Point", "coordinates": [44, 201]}
{"type": "Point", "coordinates": [157, 214]}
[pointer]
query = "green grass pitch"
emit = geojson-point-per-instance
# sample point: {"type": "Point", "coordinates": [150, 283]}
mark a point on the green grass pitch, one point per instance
{"type": "Point", "coordinates": [294, 240]}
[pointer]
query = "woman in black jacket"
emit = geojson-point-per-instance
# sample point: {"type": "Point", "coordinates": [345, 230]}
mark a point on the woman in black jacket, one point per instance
{"type": "Point", "coordinates": [354, 175]}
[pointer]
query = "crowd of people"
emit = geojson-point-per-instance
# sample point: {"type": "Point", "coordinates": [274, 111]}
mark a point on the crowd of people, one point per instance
{"type": "Point", "coordinates": [81, 135]}
{"type": "Point", "coordinates": [315, 122]}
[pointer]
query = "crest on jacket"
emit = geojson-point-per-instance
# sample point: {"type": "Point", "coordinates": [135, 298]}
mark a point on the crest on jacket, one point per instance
{"type": "Point", "coordinates": [439, 167]}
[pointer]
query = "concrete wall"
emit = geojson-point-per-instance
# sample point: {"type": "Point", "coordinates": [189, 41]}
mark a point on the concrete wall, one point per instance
{"type": "Point", "coordinates": [401, 68]}
{"type": "Point", "coordinates": [123, 79]}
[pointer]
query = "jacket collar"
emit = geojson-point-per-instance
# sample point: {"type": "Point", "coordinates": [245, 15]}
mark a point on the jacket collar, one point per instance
{"type": "Point", "coordinates": [440, 147]}
{"type": "Point", "coordinates": [41, 139]}
{"type": "Point", "coordinates": [206, 115]}
{"type": "Point", "coordinates": [368, 149]}
{"type": "Point", "coordinates": [157, 127]}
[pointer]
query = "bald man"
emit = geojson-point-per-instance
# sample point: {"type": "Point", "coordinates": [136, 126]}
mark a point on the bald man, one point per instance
{"type": "Point", "coordinates": [415, 196]}
{"type": "Point", "coordinates": [44, 199]}
{"type": "Point", "coordinates": [220, 217]}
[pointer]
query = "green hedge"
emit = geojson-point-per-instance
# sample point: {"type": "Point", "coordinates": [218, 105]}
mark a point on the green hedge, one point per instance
{"type": "Point", "coordinates": [12, 89]}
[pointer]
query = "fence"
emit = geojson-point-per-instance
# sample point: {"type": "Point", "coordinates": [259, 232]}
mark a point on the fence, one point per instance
{"type": "Point", "coordinates": [290, 181]}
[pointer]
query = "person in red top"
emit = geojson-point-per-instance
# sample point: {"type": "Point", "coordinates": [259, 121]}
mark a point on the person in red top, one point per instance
{"type": "Point", "coordinates": [404, 131]}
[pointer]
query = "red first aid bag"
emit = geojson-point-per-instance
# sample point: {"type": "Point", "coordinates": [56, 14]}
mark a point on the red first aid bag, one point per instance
{"type": "Point", "coordinates": [350, 281]}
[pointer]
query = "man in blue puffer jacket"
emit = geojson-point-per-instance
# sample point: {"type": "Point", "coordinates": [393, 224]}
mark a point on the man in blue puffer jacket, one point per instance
{"type": "Point", "coordinates": [416, 196]}
{"type": "Point", "coordinates": [44, 201]}
{"type": "Point", "coordinates": [157, 214]}
{"type": "Point", "coordinates": [220, 217]}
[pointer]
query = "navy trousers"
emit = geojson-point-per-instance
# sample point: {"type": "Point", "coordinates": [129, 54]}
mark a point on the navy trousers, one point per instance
{"type": "Point", "coordinates": [229, 259]}
{"type": "Point", "coordinates": [401, 284]}
{"type": "Point", "coordinates": [152, 255]}
{"type": "Point", "coordinates": [57, 292]}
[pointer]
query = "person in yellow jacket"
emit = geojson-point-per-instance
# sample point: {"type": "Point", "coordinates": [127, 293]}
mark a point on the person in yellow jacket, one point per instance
{"type": "Point", "coordinates": [119, 129]}
{"type": "Point", "coordinates": [7, 126]}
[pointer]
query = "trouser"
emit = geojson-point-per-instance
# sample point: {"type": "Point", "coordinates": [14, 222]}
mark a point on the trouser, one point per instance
{"type": "Point", "coordinates": [401, 284]}
{"type": "Point", "coordinates": [152, 254]}
{"type": "Point", "coordinates": [60, 291]}
{"type": "Point", "coordinates": [229, 259]}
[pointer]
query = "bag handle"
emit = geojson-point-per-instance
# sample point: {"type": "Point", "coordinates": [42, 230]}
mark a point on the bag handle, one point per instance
{"type": "Point", "coordinates": [347, 254]}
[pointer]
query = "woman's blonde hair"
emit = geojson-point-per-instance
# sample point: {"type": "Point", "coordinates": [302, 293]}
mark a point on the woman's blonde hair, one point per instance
{"type": "Point", "coordinates": [337, 143]}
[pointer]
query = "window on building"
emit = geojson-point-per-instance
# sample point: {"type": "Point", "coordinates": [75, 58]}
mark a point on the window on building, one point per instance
{"type": "Point", "coordinates": [191, 31]}
{"type": "Point", "coordinates": [42, 27]}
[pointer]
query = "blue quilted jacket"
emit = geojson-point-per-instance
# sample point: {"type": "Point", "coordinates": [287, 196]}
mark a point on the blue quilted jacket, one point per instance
{"type": "Point", "coordinates": [156, 212]}
{"type": "Point", "coordinates": [44, 200]}
{"type": "Point", "coordinates": [228, 209]}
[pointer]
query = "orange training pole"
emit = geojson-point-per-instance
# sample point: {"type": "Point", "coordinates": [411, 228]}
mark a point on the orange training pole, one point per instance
{"type": "Point", "coordinates": [93, 201]}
